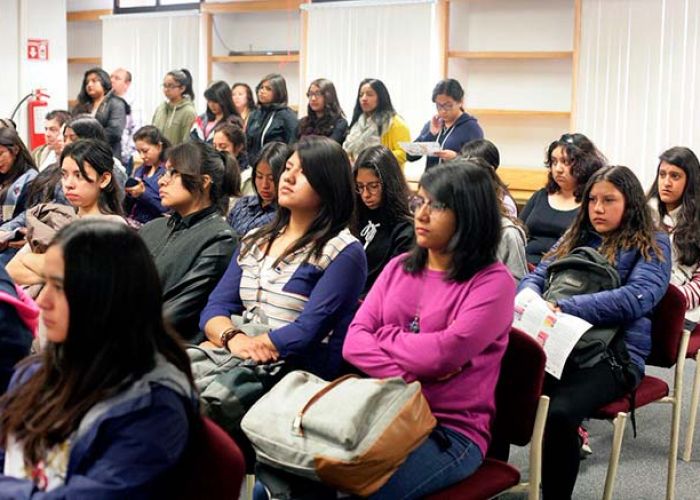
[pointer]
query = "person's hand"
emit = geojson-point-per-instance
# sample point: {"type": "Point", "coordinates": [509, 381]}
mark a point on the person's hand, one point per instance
{"type": "Point", "coordinates": [555, 308]}
{"type": "Point", "coordinates": [260, 349]}
{"type": "Point", "coordinates": [208, 345]}
{"type": "Point", "coordinates": [435, 124]}
{"type": "Point", "coordinates": [446, 154]}
{"type": "Point", "coordinates": [137, 190]}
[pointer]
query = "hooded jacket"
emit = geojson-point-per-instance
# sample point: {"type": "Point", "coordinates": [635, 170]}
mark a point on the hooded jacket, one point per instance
{"type": "Point", "coordinates": [175, 120]}
{"type": "Point", "coordinates": [466, 128]}
{"type": "Point", "coordinates": [272, 122]}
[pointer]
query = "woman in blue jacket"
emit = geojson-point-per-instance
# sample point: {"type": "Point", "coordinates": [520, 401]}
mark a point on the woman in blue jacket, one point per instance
{"type": "Point", "coordinates": [105, 410]}
{"type": "Point", "coordinates": [615, 220]}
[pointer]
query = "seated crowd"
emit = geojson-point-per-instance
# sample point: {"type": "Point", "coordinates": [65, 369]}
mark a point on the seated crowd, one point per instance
{"type": "Point", "coordinates": [195, 229]}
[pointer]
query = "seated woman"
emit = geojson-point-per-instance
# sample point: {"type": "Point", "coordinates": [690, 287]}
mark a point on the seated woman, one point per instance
{"type": "Point", "coordinates": [487, 151]}
{"type": "Point", "coordinates": [142, 201]}
{"type": "Point", "coordinates": [105, 411]}
{"type": "Point", "coordinates": [570, 161]}
{"type": "Point", "coordinates": [451, 126]}
{"type": "Point", "coordinates": [17, 171]}
{"type": "Point", "coordinates": [375, 121]}
{"type": "Point", "coordinates": [301, 275]}
{"type": "Point", "coordinates": [220, 109]}
{"type": "Point", "coordinates": [256, 210]}
{"type": "Point", "coordinates": [273, 120]}
{"type": "Point", "coordinates": [192, 247]}
{"type": "Point", "coordinates": [441, 315]}
{"type": "Point", "coordinates": [615, 221]}
{"type": "Point", "coordinates": [385, 223]}
{"type": "Point", "coordinates": [231, 138]}
{"type": "Point", "coordinates": [324, 115]}
{"type": "Point", "coordinates": [89, 187]}
{"type": "Point", "coordinates": [673, 200]}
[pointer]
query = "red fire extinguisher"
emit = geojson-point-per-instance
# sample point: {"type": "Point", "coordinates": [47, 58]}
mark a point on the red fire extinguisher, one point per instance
{"type": "Point", "coordinates": [37, 112]}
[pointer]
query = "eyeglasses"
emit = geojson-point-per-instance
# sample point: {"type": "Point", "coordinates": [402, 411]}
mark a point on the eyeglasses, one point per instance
{"type": "Point", "coordinates": [416, 202]}
{"type": "Point", "coordinates": [372, 187]}
{"type": "Point", "coordinates": [314, 94]}
{"type": "Point", "coordinates": [448, 106]}
{"type": "Point", "coordinates": [170, 174]}
{"type": "Point", "coordinates": [171, 86]}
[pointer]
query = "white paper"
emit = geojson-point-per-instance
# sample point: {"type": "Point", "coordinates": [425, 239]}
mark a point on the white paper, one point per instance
{"type": "Point", "coordinates": [421, 148]}
{"type": "Point", "coordinates": [556, 332]}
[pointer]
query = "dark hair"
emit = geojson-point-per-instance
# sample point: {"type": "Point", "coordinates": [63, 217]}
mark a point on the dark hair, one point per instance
{"type": "Point", "coordinates": [276, 155]}
{"type": "Point", "coordinates": [194, 160]}
{"type": "Point", "coordinates": [108, 270]}
{"type": "Point", "coordinates": [394, 202]}
{"type": "Point", "coordinates": [153, 136]}
{"type": "Point", "coordinates": [279, 87]}
{"type": "Point", "coordinates": [686, 233]}
{"type": "Point", "coordinates": [84, 100]}
{"type": "Point", "coordinates": [312, 124]}
{"type": "Point", "coordinates": [98, 155]}
{"type": "Point", "coordinates": [86, 127]}
{"type": "Point", "coordinates": [60, 115]}
{"type": "Point", "coordinates": [8, 123]}
{"type": "Point", "coordinates": [327, 168]}
{"type": "Point", "coordinates": [250, 100]}
{"type": "Point", "coordinates": [451, 88]}
{"type": "Point", "coordinates": [488, 152]}
{"type": "Point", "coordinates": [183, 78]}
{"type": "Point", "coordinates": [384, 111]}
{"type": "Point", "coordinates": [636, 229]}
{"type": "Point", "coordinates": [583, 156]}
{"type": "Point", "coordinates": [220, 93]}
{"type": "Point", "coordinates": [22, 159]}
{"type": "Point", "coordinates": [234, 133]}
{"type": "Point", "coordinates": [466, 189]}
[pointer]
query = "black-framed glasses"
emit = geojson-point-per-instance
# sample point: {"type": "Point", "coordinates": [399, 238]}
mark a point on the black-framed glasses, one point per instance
{"type": "Point", "coordinates": [372, 187]}
{"type": "Point", "coordinates": [171, 85]}
{"type": "Point", "coordinates": [416, 202]}
{"type": "Point", "coordinates": [314, 94]}
{"type": "Point", "coordinates": [448, 106]}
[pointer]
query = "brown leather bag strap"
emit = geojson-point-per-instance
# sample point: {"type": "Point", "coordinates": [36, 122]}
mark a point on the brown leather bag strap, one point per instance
{"type": "Point", "coordinates": [297, 426]}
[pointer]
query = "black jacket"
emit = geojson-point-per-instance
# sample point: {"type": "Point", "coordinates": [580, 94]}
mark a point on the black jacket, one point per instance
{"type": "Point", "coordinates": [15, 337]}
{"type": "Point", "coordinates": [112, 116]}
{"type": "Point", "coordinates": [283, 127]}
{"type": "Point", "coordinates": [191, 255]}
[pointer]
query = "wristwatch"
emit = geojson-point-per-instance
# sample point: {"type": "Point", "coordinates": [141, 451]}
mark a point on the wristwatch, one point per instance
{"type": "Point", "coordinates": [227, 335]}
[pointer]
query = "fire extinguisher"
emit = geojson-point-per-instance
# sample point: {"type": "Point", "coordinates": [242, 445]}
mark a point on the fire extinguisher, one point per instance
{"type": "Point", "coordinates": [37, 108]}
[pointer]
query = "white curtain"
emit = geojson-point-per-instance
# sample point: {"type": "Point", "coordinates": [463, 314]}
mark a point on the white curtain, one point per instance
{"type": "Point", "coordinates": [639, 79]}
{"type": "Point", "coordinates": [394, 41]}
{"type": "Point", "coordinates": [150, 45]}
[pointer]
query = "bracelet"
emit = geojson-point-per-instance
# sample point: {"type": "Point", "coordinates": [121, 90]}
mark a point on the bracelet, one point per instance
{"type": "Point", "coordinates": [227, 335]}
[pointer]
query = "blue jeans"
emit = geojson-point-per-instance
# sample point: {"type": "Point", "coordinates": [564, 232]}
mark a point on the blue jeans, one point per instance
{"type": "Point", "coordinates": [445, 458]}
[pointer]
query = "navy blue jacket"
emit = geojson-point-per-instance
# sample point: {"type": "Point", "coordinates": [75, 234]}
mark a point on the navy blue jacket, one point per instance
{"type": "Point", "coordinates": [465, 129]}
{"type": "Point", "coordinates": [631, 305]}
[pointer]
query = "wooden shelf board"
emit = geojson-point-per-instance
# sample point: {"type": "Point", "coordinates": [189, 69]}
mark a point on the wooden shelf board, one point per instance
{"type": "Point", "coordinates": [87, 15]}
{"type": "Point", "coordinates": [510, 55]}
{"type": "Point", "coordinates": [523, 181]}
{"type": "Point", "coordinates": [251, 6]}
{"type": "Point", "coordinates": [518, 113]}
{"type": "Point", "coordinates": [257, 59]}
{"type": "Point", "coordinates": [85, 60]}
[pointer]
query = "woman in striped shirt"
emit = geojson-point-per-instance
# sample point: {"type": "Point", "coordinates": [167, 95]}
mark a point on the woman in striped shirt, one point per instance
{"type": "Point", "coordinates": [301, 275]}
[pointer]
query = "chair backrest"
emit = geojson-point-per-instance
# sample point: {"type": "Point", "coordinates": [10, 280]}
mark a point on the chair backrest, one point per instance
{"type": "Point", "coordinates": [667, 328]}
{"type": "Point", "coordinates": [213, 466]}
{"type": "Point", "coordinates": [518, 390]}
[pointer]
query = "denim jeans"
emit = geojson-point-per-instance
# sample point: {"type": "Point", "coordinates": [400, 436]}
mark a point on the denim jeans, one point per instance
{"type": "Point", "coordinates": [445, 458]}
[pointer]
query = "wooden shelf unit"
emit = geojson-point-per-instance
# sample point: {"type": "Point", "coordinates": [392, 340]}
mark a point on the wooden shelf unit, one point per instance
{"type": "Point", "coordinates": [456, 54]}
{"type": "Point", "coordinates": [95, 61]}
{"type": "Point", "coordinates": [87, 15]}
{"type": "Point", "coordinates": [251, 6]}
{"type": "Point", "coordinates": [257, 58]}
{"type": "Point", "coordinates": [519, 113]}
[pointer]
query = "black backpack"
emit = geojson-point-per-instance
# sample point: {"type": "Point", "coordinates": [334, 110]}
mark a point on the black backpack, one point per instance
{"type": "Point", "coordinates": [584, 271]}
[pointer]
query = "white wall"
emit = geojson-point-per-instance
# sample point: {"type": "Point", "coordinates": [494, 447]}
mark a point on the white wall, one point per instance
{"type": "Point", "coordinates": [9, 56]}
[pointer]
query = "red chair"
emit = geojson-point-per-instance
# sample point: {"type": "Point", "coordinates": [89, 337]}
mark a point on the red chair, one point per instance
{"type": "Point", "coordinates": [213, 466]}
{"type": "Point", "coordinates": [521, 412]}
{"type": "Point", "coordinates": [669, 344]}
{"type": "Point", "coordinates": [693, 353]}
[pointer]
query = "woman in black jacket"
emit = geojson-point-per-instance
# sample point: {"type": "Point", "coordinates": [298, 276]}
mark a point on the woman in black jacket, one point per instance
{"type": "Point", "coordinates": [97, 99]}
{"type": "Point", "coordinates": [193, 247]}
{"type": "Point", "coordinates": [273, 120]}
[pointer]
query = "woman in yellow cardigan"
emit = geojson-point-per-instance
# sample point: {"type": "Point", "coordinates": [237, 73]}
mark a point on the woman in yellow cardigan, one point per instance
{"type": "Point", "coordinates": [374, 121]}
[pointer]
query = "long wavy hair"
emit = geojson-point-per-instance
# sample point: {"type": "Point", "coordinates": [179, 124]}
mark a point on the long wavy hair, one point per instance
{"type": "Point", "coordinates": [312, 124]}
{"type": "Point", "coordinates": [108, 271]}
{"type": "Point", "coordinates": [636, 230]}
{"type": "Point", "coordinates": [22, 159]}
{"type": "Point", "coordinates": [584, 157]}
{"type": "Point", "coordinates": [686, 233]}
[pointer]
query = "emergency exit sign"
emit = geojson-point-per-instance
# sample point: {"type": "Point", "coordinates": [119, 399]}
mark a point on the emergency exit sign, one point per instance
{"type": "Point", "coordinates": [37, 49]}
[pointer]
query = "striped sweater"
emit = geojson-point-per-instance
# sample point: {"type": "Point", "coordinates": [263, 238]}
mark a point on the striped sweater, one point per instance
{"type": "Point", "coordinates": [308, 305]}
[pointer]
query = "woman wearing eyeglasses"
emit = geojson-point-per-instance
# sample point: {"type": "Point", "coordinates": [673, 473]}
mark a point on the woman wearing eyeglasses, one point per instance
{"type": "Point", "coordinates": [441, 315]}
{"type": "Point", "coordinates": [175, 116]}
{"type": "Point", "coordinates": [193, 247]}
{"type": "Point", "coordinates": [451, 127]}
{"type": "Point", "coordinates": [324, 115]}
{"type": "Point", "coordinates": [385, 226]}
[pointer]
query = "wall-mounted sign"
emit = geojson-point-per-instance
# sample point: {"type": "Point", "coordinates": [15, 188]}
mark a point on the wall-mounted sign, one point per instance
{"type": "Point", "coordinates": [37, 49]}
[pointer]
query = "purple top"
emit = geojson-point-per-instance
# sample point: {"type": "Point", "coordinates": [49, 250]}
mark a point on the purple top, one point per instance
{"type": "Point", "coordinates": [457, 354]}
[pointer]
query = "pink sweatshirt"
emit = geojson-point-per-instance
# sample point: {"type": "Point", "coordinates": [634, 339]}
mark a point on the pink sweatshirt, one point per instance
{"type": "Point", "coordinates": [457, 354]}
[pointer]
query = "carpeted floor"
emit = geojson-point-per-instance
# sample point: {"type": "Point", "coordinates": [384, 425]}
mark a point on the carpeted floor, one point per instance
{"type": "Point", "coordinates": [643, 463]}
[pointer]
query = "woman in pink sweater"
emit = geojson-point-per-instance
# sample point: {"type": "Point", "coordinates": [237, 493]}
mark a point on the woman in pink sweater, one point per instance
{"type": "Point", "coordinates": [441, 315]}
